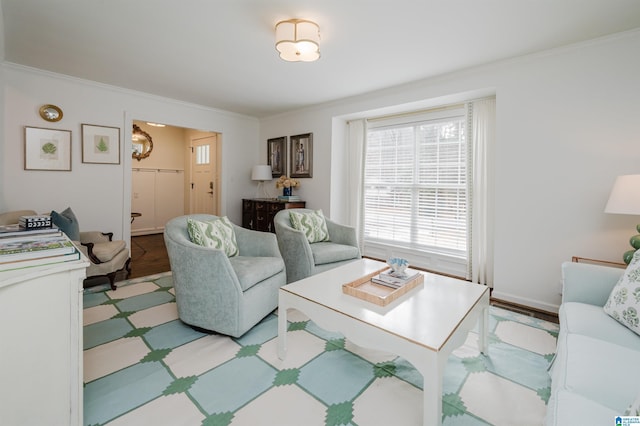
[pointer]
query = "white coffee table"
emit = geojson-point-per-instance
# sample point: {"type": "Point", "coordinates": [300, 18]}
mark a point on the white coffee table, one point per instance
{"type": "Point", "coordinates": [423, 326]}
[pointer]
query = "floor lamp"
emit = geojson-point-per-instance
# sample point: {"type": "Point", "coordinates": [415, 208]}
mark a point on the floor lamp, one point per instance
{"type": "Point", "coordinates": [625, 199]}
{"type": "Point", "coordinates": [261, 173]}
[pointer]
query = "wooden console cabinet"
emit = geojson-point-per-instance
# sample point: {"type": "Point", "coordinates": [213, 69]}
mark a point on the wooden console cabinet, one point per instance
{"type": "Point", "coordinates": [41, 345]}
{"type": "Point", "coordinates": [258, 213]}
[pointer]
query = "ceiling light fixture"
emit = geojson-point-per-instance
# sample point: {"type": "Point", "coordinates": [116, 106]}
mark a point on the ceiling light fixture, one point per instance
{"type": "Point", "coordinates": [298, 40]}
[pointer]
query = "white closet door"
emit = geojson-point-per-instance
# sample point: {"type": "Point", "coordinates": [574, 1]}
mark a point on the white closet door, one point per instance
{"type": "Point", "coordinates": [169, 196]}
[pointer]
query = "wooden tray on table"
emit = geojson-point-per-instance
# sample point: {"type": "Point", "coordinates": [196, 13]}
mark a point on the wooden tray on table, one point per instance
{"type": "Point", "coordinates": [363, 288]}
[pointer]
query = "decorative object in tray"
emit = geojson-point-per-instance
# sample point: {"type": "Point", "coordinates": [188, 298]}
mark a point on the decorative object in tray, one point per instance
{"type": "Point", "coordinates": [383, 287]}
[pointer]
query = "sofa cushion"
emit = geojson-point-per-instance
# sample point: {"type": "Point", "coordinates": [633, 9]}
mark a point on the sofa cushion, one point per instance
{"type": "Point", "coordinates": [624, 301]}
{"type": "Point", "coordinates": [596, 370]}
{"type": "Point", "coordinates": [327, 252]}
{"type": "Point", "coordinates": [252, 270]}
{"type": "Point", "coordinates": [217, 234]}
{"type": "Point", "coordinates": [67, 222]}
{"type": "Point", "coordinates": [590, 320]}
{"type": "Point", "coordinates": [568, 408]}
{"type": "Point", "coordinates": [312, 224]}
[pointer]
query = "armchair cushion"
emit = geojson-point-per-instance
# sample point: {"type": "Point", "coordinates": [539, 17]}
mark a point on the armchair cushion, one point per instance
{"type": "Point", "coordinates": [105, 251]}
{"type": "Point", "coordinates": [252, 270]}
{"type": "Point", "coordinates": [217, 233]}
{"type": "Point", "coordinates": [328, 252]}
{"type": "Point", "coordinates": [623, 304]}
{"type": "Point", "coordinates": [67, 222]}
{"type": "Point", "coordinates": [312, 223]}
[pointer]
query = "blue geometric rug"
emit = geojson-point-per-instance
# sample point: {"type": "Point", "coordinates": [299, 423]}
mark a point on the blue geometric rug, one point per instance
{"type": "Point", "coordinates": [142, 366]}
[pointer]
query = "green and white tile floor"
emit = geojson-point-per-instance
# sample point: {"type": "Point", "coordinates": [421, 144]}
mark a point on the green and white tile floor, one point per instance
{"type": "Point", "coordinates": [142, 366]}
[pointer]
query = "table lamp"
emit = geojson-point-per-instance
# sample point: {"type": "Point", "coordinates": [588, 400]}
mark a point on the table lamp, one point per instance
{"type": "Point", "coordinates": [261, 173]}
{"type": "Point", "coordinates": [625, 199]}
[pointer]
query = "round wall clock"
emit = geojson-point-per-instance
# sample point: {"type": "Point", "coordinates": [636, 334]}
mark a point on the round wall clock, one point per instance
{"type": "Point", "coordinates": [50, 113]}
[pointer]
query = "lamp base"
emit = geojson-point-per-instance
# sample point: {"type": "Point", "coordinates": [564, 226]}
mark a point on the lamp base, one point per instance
{"type": "Point", "coordinates": [635, 243]}
{"type": "Point", "coordinates": [261, 191]}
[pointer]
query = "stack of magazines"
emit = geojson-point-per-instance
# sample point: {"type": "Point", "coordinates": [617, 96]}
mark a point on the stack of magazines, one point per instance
{"type": "Point", "coordinates": [24, 248]}
{"type": "Point", "coordinates": [393, 280]}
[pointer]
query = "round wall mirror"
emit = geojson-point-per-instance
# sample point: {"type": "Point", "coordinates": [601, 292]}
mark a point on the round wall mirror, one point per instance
{"type": "Point", "coordinates": [50, 113]}
{"type": "Point", "coordinates": [142, 145]}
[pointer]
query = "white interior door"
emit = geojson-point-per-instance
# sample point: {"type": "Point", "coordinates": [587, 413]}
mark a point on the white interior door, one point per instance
{"type": "Point", "coordinates": [204, 185]}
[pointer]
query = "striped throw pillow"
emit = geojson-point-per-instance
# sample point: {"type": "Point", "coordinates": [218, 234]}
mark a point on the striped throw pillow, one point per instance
{"type": "Point", "coordinates": [217, 234]}
{"type": "Point", "coordinates": [312, 224]}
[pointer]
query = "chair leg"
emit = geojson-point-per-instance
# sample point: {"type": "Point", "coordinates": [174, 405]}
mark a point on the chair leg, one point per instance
{"type": "Point", "coordinates": [127, 267]}
{"type": "Point", "coordinates": [112, 280]}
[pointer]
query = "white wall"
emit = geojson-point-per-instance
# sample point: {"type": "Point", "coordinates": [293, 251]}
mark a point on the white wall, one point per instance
{"type": "Point", "coordinates": [567, 125]}
{"type": "Point", "coordinates": [101, 194]}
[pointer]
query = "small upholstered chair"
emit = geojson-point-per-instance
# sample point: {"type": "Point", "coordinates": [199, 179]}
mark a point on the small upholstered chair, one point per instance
{"type": "Point", "coordinates": [106, 256]}
{"type": "Point", "coordinates": [227, 294]}
{"type": "Point", "coordinates": [303, 258]}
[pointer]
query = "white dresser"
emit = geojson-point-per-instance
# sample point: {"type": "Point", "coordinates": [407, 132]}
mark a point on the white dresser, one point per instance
{"type": "Point", "coordinates": [41, 345]}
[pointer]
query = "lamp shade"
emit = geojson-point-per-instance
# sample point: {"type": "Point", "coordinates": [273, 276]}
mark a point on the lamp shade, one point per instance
{"type": "Point", "coordinates": [298, 40]}
{"type": "Point", "coordinates": [625, 196]}
{"type": "Point", "coordinates": [261, 173]}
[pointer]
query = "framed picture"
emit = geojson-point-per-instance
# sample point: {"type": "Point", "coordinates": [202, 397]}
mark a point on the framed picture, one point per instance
{"type": "Point", "coordinates": [47, 149]}
{"type": "Point", "coordinates": [277, 156]}
{"type": "Point", "coordinates": [100, 144]}
{"type": "Point", "coordinates": [301, 163]}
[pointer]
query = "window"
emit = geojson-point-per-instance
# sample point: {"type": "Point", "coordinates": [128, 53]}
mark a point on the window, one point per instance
{"type": "Point", "coordinates": [416, 183]}
{"type": "Point", "coordinates": [202, 154]}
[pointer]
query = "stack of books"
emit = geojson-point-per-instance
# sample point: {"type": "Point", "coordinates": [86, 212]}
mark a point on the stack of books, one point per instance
{"type": "Point", "coordinates": [390, 279]}
{"type": "Point", "coordinates": [289, 198]}
{"type": "Point", "coordinates": [24, 248]}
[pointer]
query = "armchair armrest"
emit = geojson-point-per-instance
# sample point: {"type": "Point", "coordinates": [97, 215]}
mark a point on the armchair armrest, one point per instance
{"type": "Point", "coordinates": [88, 251]}
{"type": "Point", "coordinates": [295, 250]}
{"type": "Point", "coordinates": [342, 234]}
{"type": "Point", "coordinates": [95, 237]}
{"type": "Point", "coordinates": [256, 243]}
{"type": "Point", "coordinates": [586, 283]}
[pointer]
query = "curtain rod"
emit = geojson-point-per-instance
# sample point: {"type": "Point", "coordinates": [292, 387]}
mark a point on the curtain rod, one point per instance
{"type": "Point", "coordinates": [423, 111]}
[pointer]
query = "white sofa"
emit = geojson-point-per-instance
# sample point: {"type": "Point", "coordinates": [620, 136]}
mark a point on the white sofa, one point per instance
{"type": "Point", "coordinates": [595, 375]}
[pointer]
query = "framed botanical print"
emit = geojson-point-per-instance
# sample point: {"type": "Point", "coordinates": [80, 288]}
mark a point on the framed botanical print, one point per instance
{"type": "Point", "coordinates": [301, 156]}
{"type": "Point", "coordinates": [100, 144]}
{"type": "Point", "coordinates": [277, 156]}
{"type": "Point", "coordinates": [47, 149]}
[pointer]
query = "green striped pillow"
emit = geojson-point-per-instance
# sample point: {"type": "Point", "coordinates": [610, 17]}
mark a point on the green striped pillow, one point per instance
{"type": "Point", "coordinates": [217, 234]}
{"type": "Point", "coordinates": [312, 224]}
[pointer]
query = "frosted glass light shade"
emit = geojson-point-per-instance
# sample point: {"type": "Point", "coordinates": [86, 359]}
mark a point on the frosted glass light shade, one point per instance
{"type": "Point", "coordinates": [625, 196]}
{"type": "Point", "coordinates": [298, 40]}
{"type": "Point", "coordinates": [261, 173]}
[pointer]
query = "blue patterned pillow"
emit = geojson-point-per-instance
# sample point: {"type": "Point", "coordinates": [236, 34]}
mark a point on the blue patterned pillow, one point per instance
{"type": "Point", "coordinates": [67, 222]}
{"type": "Point", "coordinates": [217, 234]}
{"type": "Point", "coordinates": [623, 304]}
{"type": "Point", "coordinates": [312, 224]}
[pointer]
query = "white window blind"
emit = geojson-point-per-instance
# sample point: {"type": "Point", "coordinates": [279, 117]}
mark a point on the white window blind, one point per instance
{"type": "Point", "coordinates": [415, 182]}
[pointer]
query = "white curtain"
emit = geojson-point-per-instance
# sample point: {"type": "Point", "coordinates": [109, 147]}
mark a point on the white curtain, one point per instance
{"type": "Point", "coordinates": [483, 139]}
{"type": "Point", "coordinates": [356, 144]}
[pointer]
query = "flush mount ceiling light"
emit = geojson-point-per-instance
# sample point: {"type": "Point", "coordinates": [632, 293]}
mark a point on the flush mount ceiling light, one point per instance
{"type": "Point", "coordinates": [298, 40]}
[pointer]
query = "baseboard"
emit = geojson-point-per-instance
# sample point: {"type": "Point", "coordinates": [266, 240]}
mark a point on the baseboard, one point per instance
{"type": "Point", "coordinates": [529, 303]}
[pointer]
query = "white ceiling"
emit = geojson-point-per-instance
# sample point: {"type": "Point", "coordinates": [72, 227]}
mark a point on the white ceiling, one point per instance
{"type": "Point", "coordinates": [220, 53]}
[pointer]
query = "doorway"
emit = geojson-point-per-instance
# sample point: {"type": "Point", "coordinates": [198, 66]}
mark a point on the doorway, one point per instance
{"type": "Point", "coordinates": [172, 181]}
{"type": "Point", "coordinates": [205, 172]}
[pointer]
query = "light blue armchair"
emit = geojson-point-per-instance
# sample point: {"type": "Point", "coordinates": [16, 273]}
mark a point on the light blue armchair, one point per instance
{"type": "Point", "coordinates": [304, 259]}
{"type": "Point", "coordinates": [227, 295]}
